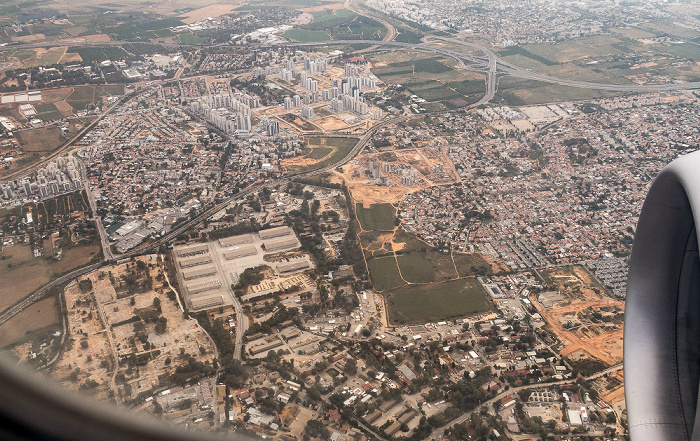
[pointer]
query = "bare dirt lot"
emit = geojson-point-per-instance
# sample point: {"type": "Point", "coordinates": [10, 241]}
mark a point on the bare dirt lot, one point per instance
{"type": "Point", "coordinates": [124, 317]}
{"type": "Point", "coordinates": [208, 11]}
{"type": "Point", "coordinates": [589, 324]}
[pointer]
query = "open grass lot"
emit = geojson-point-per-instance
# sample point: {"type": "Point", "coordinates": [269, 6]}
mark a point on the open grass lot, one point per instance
{"type": "Point", "coordinates": [41, 315]}
{"type": "Point", "coordinates": [90, 54]}
{"type": "Point", "coordinates": [48, 111]}
{"type": "Point", "coordinates": [340, 148]}
{"type": "Point", "coordinates": [378, 217]}
{"type": "Point", "coordinates": [43, 139]}
{"type": "Point", "coordinates": [306, 35]}
{"type": "Point", "coordinates": [469, 264]}
{"type": "Point", "coordinates": [128, 31]}
{"type": "Point", "coordinates": [570, 276]}
{"type": "Point", "coordinates": [340, 26]}
{"type": "Point", "coordinates": [319, 152]}
{"type": "Point", "coordinates": [435, 301]}
{"type": "Point", "coordinates": [109, 90]}
{"type": "Point", "coordinates": [82, 93]}
{"type": "Point", "coordinates": [428, 266]}
{"type": "Point", "coordinates": [384, 273]}
{"type": "Point", "coordinates": [517, 92]}
{"type": "Point", "coordinates": [22, 273]}
{"type": "Point", "coordinates": [433, 91]}
{"type": "Point", "coordinates": [569, 50]}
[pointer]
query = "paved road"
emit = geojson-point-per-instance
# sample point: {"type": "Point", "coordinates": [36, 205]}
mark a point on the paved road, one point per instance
{"type": "Point", "coordinates": [41, 292]}
{"type": "Point", "coordinates": [104, 238]}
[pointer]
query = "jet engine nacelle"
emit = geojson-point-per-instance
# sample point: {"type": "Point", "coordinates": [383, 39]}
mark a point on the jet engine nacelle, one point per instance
{"type": "Point", "coordinates": [662, 311]}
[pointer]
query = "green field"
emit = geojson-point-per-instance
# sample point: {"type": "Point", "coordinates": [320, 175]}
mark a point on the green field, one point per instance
{"type": "Point", "coordinates": [109, 90]}
{"type": "Point", "coordinates": [24, 54]}
{"type": "Point", "coordinates": [340, 147]}
{"type": "Point", "coordinates": [518, 50]}
{"type": "Point", "coordinates": [436, 301]}
{"type": "Point", "coordinates": [379, 217]}
{"type": "Point", "coordinates": [189, 38]}
{"type": "Point", "coordinates": [384, 273]}
{"type": "Point", "coordinates": [433, 91]}
{"type": "Point", "coordinates": [134, 31]}
{"type": "Point", "coordinates": [306, 35]}
{"type": "Point", "coordinates": [90, 54]}
{"type": "Point", "coordinates": [428, 266]}
{"type": "Point", "coordinates": [48, 111]}
{"type": "Point", "coordinates": [319, 152]}
{"type": "Point", "coordinates": [470, 264]}
{"type": "Point", "coordinates": [340, 26]}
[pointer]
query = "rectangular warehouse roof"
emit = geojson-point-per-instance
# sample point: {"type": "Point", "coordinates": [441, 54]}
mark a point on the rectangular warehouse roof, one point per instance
{"type": "Point", "coordinates": [275, 232]}
{"type": "Point", "coordinates": [293, 265]}
{"type": "Point", "coordinates": [198, 271]}
{"type": "Point", "coordinates": [207, 301]}
{"type": "Point", "coordinates": [240, 251]}
{"type": "Point", "coordinates": [190, 250]}
{"type": "Point", "coordinates": [194, 261]}
{"type": "Point", "coordinates": [198, 286]}
{"type": "Point", "coordinates": [235, 240]}
{"type": "Point", "coordinates": [281, 243]}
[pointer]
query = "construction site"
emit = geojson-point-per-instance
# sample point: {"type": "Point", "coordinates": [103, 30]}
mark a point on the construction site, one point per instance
{"type": "Point", "coordinates": [588, 323]}
{"type": "Point", "coordinates": [389, 176]}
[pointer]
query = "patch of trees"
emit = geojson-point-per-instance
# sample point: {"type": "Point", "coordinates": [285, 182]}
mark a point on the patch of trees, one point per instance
{"type": "Point", "coordinates": [251, 276]}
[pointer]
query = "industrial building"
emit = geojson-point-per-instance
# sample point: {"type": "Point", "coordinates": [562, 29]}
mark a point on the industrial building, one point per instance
{"type": "Point", "coordinates": [275, 232]}
{"type": "Point", "coordinates": [192, 250]}
{"type": "Point", "coordinates": [198, 271]}
{"type": "Point", "coordinates": [194, 261]}
{"type": "Point", "coordinates": [194, 288]}
{"type": "Point", "coordinates": [206, 301]}
{"type": "Point", "coordinates": [235, 240]}
{"type": "Point", "coordinates": [281, 243]}
{"type": "Point", "coordinates": [240, 251]}
{"type": "Point", "coordinates": [270, 343]}
{"type": "Point", "coordinates": [295, 265]}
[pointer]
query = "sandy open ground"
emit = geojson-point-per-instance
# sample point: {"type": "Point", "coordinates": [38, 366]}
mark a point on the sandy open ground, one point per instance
{"type": "Point", "coordinates": [216, 10]}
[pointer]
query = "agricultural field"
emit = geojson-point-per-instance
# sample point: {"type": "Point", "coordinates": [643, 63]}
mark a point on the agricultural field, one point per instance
{"type": "Point", "coordinates": [42, 315]}
{"type": "Point", "coordinates": [90, 54]}
{"type": "Point", "coordinates": [436, 301]}
{"type": "Point", "coordinates": [39, 57]}
{"type": "Point", "coordinates": [433, 78]}
{"type": "Point", "coordinates": [340, 25]}
{"type": "Point", "coordinates": [48, 111]}
{"type": "Point", "coordinates": [378, 217]}
{"type": "Point", "coordinates": [22, 273]}
{"type": "Point", "coordinates": [143, 31]}
{"type": "Point", "coordinates": [330, 150]}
